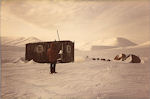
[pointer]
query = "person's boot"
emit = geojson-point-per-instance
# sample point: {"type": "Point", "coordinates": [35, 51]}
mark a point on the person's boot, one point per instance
{"type": "Point", "coordinates": [54, 70]}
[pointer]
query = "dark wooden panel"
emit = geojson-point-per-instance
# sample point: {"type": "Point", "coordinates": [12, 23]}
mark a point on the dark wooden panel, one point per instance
{"type": "Point", "coordinates": [38, 51]}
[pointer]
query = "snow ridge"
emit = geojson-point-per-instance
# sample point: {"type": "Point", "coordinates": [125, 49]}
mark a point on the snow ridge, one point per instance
{"type": "Point", "coordinates": [108, 43]}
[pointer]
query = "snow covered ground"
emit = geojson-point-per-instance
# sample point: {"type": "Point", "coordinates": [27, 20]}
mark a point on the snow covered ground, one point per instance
{"type": "Point", "coordinates": [83, 79]}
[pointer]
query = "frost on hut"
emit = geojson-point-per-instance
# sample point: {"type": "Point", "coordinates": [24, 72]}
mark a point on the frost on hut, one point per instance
{"type": "Point", "coordinates": [38, 51]}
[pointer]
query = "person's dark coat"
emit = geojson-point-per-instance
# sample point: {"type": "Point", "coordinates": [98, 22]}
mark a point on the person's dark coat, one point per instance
{"type": "Point", "coordinates": [52, 53]}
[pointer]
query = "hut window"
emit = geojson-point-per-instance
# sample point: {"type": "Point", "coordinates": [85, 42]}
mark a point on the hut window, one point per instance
{"type": "Point", "coordinates": [68, 49]}
{"type": "Point", "coordinates": [39, 49]}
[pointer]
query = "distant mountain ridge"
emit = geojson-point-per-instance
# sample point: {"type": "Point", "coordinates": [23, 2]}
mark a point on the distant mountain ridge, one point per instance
{"type": "Point", "coordinates": [118, 42]}
{"type": "Point", "coordinates": [113, 43]}
{"type": "Point", "coordinates": [107, 44]}
{"type": "Point", "coordinates": [94, 45]}
{"type": "Point", "coordinates": [19, 42]}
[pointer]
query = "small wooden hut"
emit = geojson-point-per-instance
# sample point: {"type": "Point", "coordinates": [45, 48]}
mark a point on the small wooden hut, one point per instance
{"type": "Point", "coordinates": [38, 51]}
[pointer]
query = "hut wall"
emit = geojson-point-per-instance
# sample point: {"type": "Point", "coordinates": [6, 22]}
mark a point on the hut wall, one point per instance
{"type": "Point", "coordinates": [38, 51]}
{"type": "Point", "coordinates": [68, 52]}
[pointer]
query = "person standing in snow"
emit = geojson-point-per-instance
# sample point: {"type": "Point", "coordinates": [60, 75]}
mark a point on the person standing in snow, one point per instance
{"type": "Point", "coordinates": [53, 55]}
